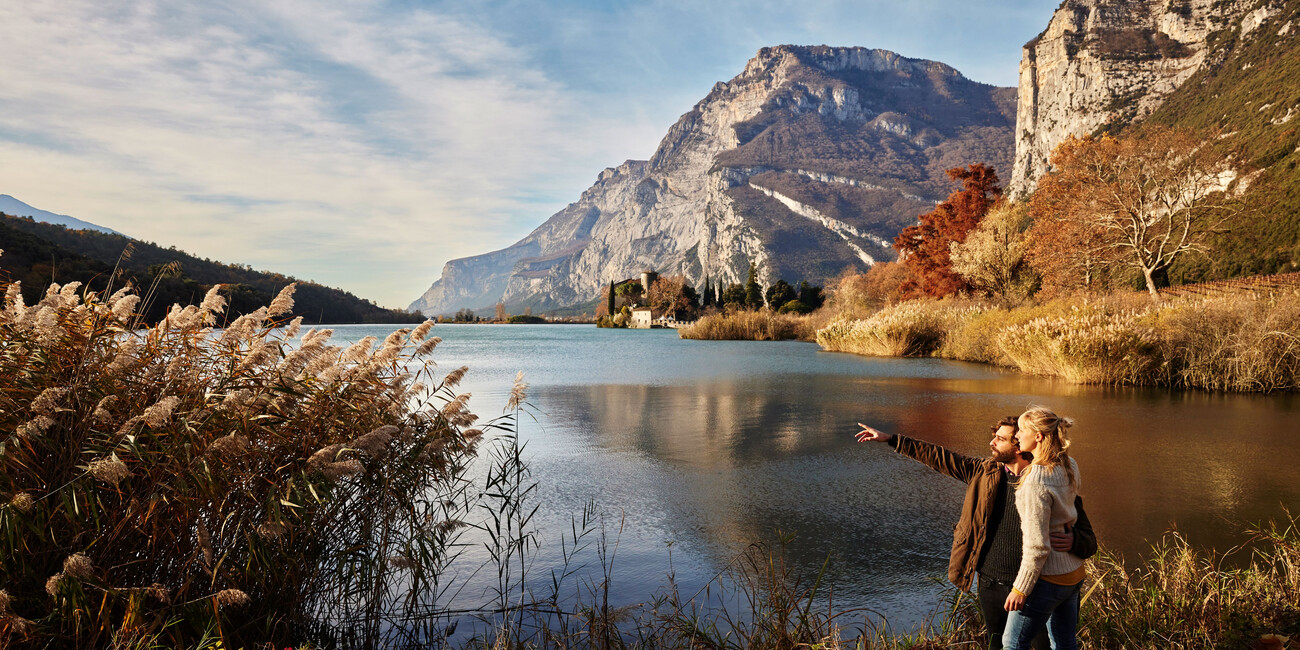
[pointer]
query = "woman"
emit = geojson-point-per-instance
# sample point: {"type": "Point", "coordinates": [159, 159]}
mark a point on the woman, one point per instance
{"type": "Point", "coordinates": [1046, 589]}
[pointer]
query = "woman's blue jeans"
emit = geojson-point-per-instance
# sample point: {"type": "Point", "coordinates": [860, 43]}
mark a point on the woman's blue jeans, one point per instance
{"type": "Point", "coordinates": [1053, 606]}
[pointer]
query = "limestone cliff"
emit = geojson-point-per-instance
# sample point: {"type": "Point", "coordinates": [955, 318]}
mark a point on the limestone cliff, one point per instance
{"type": "Point", "coordinates": [808, 162]}
{"type": "Point", "coordinates": [1106, 63]}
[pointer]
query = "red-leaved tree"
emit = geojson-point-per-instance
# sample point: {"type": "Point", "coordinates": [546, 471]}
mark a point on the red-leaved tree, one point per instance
{"type": "Point", "coordinates": [924, 247]}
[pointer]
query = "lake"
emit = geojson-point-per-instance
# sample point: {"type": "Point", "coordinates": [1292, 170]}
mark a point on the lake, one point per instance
{"type": "Point", "coordinates": [704, 447]}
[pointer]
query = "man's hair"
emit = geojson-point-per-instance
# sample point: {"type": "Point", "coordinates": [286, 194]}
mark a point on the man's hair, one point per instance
{"type": "Point", "coordinates": [1008, 421]}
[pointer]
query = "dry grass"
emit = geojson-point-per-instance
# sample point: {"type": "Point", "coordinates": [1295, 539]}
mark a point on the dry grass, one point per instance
{"type": "Point", "coordinates": [755, 325]}
{"type": "Point", "coordinates": [1234, 342]}
{"type": "Point", "coordinates": [908, 329]}
{"type": "Point", "coordinates": [183, 485]}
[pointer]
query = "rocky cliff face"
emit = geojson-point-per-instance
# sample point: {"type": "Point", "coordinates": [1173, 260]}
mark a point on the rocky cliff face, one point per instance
{"type": "Point", "coordinates": [1106, 63]}
{"type": "Point", "coordinates": [808, 162]}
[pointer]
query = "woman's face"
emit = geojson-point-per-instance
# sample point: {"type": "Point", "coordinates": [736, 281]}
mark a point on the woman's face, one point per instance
{"type": "Point", "coordinates": [1029, 439]}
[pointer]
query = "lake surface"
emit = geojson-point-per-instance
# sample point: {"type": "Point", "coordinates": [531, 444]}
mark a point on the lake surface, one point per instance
{"type": "Point", "coordinates": [705, 447]}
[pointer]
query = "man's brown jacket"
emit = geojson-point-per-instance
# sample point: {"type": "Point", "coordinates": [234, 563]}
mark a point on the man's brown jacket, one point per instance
{"type": "Point", "coordinates": [981, 476]}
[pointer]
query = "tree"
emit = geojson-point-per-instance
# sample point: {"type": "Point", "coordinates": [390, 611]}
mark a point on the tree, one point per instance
{"type": "Point", "coordinates": [993, 257]}
{"type": "Point", "coordinates": [753, 290]}
{"type": "Point", "coordinates": [665, 295]}
{"type": "Point", "coordinates": [811, 295]}
{"type": "Point", "coordinates": [780, 293]}
{"type": "Point", "coordinates": [501, 314]}
{"type": "Point", "coordinates": [1142, 200]}
{"type": "Point", "coordinates": [631, 291]}
{"type": "Point", "coordinates": [465, 316]}
{"type": "Point", "coordinates": [708, 298]}
{"type": "Point", "coordinates": [609, 302]}
{"type": "Point", "coordinates": [734, 294]}
{"type": "Point", "coordinates": [925, 247]}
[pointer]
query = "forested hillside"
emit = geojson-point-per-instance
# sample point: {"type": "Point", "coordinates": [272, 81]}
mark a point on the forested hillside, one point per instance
{"type": "Point", "coordinates": [1250, 97]}
{"type": "Point", "coordinates": [39, 253]}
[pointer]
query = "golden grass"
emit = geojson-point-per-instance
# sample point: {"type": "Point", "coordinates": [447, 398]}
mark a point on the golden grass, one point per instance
{"type": "Point", "coordinates": [1233, 342]}
{"type": "Point", "coordinates": [747, 325]}
{"type": "Point", "coordinates": [184, 485]}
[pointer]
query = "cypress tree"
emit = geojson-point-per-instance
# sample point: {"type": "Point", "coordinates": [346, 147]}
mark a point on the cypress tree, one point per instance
{"type": "Point", "coordinates": [707, 298]}
{"type": "Point", "coordinates": [753, 292]}
{"type": "Point", "coordinates": [609, 305]}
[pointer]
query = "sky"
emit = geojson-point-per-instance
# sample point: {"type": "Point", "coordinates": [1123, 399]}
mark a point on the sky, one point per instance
{"type": "Point", "coordinates": [364, 144]}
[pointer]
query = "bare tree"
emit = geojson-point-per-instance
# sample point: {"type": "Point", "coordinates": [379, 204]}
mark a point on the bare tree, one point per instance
{"type": "Point", "coordinates": [1149, 198]}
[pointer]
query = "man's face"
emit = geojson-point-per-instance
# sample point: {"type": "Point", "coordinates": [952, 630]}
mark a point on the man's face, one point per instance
{"type": "Point", "coordinates": [1003, 447]}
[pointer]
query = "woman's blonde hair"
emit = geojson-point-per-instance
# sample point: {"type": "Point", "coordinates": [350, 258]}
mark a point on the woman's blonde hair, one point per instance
{"type": "Point", "coordinates": [1056, 439]}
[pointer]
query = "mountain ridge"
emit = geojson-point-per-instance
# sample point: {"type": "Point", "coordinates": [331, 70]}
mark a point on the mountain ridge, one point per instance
{"type": "Point", "coordinates": [13, 206]}
{"type": "Point", "coordinates": [798, 121]}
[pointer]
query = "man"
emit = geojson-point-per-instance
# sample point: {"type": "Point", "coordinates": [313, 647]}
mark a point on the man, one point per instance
{"type": "Point", "coordinates": [987, 539]}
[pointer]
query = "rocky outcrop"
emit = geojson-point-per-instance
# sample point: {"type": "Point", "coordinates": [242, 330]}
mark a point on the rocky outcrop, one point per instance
{"type": "Point", "coordinates": [804, 164]}
{"type": "Point", "coordinates": [1105, 63]}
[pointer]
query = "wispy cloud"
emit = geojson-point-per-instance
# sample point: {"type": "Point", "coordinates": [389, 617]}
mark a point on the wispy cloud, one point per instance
{"type": "Point", "coordinates": [363, 144]}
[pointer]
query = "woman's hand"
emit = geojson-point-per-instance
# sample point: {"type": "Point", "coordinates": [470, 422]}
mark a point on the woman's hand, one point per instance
{"type": "Point", "coordinates": [867, 434]}
{"type": "Point", "coordinates": [1015, 601]}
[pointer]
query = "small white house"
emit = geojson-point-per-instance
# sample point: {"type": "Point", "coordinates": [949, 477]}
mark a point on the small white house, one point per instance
{"type": "Point", "coordinates": [640, 318]}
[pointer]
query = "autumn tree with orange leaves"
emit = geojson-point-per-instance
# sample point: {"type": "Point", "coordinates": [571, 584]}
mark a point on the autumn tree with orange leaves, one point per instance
{"type": "Point", "coordinates": [925, 247]}
{"type": "Point", "coordinates": [1140, 201]}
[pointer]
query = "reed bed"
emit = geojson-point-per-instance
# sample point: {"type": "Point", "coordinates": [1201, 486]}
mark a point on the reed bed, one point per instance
{"type": "Point", "coordinates": [751, 325]}
{"type": "Point", "coordinates": [1175, 596]}
{"type": "Point", "coordinates": [1231, 342]}
{"type": "Point", "coordinates": [186, 486]}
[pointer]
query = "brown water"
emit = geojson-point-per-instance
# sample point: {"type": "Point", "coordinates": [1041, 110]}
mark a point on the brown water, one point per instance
{"type": "Point", "coordinates": [706, 447]}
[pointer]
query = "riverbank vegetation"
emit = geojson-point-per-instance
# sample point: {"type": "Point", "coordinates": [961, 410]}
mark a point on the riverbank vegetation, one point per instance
{"type": "Point", "coordinates": [1049, 286]}
{"type": "Point", "coordinates": [750, 325]}
{"type": "Point", "coordinates": [184, 486]}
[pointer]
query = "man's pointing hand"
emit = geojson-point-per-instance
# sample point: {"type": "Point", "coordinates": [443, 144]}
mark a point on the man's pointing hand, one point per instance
{"type": "Point", "coordinates": [867, 434]}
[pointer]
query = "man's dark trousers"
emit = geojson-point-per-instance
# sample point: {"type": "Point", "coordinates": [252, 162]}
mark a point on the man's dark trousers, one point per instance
{"type": "Point", "coordinates": [992, 595]}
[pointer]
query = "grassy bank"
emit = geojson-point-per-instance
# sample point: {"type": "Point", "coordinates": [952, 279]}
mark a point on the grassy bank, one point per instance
{"type": "Point", "coordinates": [1232, 342]}
{"type": "Point", "coordinates": [751, 325]}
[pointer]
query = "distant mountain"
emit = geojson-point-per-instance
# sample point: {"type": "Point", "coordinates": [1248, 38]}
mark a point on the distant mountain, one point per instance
{"type": "Point", "coordinates": [37, 254]}
{"type": "Point", "coordinates": [807, 163]}
{"type": "Point", "coordinates": [10, 205]}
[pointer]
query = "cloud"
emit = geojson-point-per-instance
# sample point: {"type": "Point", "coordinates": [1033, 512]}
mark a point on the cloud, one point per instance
{"type": "Point", "coordinates": [363, 144]}
{"type": "Point", "coordinates": [353, 146]}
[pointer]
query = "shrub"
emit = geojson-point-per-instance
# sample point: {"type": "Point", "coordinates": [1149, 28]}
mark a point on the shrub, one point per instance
{"type": "Point", "coordinates": [909, 329]}
{"type": "Point", "coordinates": [746, 325]}
{"type": "Point", "coordinates": [1088, 345]}
{"type": "Point", "coordinates": [181, 485]}
{"type": "Point", "coordinates": [794, 307]}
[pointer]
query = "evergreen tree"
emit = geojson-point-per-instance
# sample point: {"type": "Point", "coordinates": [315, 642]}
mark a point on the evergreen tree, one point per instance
{"type": "Point", "coordinates": [707, 298]}
{"type": "Point", "coordinates": [753, 291]}
{"type": "Point", "coordinates": [609, 305]}
{"type": "Point", "coordinates": [780, 293]}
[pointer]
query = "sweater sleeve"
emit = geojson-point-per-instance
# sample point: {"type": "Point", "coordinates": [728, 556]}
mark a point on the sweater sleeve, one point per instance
{"type": "Point", "coordinates": [1035, 506]}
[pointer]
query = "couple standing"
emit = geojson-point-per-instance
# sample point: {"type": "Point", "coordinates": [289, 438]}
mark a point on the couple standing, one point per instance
{"type": "Point", "coordinates": [1022, 527]}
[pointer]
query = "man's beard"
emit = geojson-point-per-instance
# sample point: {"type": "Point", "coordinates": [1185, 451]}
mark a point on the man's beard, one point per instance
{"type": "Point", "coordinates": [1005, 458]}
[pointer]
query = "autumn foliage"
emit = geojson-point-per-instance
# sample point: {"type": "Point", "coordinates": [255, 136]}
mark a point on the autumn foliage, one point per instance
{"type": "Point", "coordinates": [925, 247]}
{"type": "Point", "coordinates": [1137, 202]}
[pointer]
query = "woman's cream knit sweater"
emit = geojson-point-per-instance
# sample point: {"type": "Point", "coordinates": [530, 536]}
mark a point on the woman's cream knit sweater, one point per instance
{"type": "Point", "coordinates": [1045, 499]}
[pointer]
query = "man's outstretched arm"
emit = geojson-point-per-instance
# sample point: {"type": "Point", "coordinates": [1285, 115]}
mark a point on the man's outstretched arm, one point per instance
{"type": "Point", "coordinates": [962, 468]}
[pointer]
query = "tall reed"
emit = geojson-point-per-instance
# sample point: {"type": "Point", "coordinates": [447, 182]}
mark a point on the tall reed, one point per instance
{"type": "Point", "coordinates": [187, 485]}
{"type": "Point", "coordinates": [750, 325]}
{"type": "Point", "coordinates": [1235, 342]}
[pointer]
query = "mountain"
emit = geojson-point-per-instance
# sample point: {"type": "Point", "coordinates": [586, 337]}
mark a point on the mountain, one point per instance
{"type": "Point", "coordinates": [10, 205]}
{"type": "Point", "coordinates": [37, 254]}
{"type": "Point", "coordinates": [807, 163]}
{"type": "Point", "coordinates": [1103, 64]}
{"type": "Point", "coordinates": [1227, 69]}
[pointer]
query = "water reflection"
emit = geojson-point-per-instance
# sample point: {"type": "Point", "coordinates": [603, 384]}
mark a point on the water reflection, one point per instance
{"type": "Point", "coordinates": [767, 453]}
